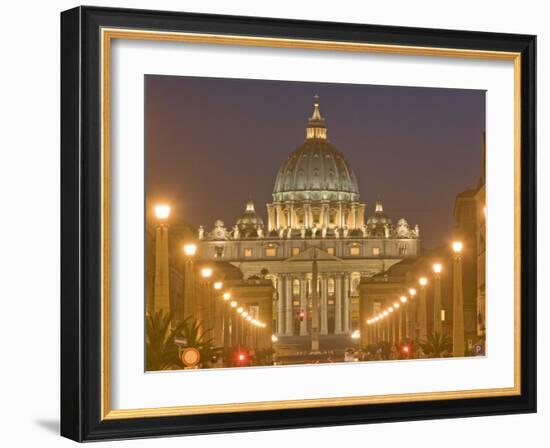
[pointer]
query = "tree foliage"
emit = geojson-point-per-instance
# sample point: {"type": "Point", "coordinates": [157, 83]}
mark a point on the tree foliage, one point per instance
{"type": "Point", "coordinates": [437, 345]}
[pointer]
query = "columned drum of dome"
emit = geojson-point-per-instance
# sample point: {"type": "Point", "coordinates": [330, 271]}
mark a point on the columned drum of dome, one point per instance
{"type": "Point", "coordinates": [315, 214]}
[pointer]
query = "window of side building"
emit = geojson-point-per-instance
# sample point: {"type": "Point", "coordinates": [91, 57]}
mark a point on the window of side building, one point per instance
{"type": "Point", "coordinates": [295, 251]}
{"type": "Point", "coordinates": [248, 252]}
{"type": "Point", "coordinates": [271, 252]}
{"type": "Point", "coordinates": [330, 250]}
{"type": "Point", "coordinates": [376, 251]}
{"type": "Point", "coordinates": [354, 250]}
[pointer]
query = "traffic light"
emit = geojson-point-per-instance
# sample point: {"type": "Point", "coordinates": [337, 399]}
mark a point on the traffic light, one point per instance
{"type": "Point", "coordinates": [302, 315]}
{"type": "Point", "coordinates": [242, 358]}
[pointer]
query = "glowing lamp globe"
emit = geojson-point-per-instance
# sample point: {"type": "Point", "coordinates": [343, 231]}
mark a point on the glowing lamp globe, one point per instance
{"type": "Point", "coordinates": [162, 211]}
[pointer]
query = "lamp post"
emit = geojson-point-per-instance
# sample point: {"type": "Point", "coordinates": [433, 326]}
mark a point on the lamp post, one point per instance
{"type": "Point", "coordinates": [314, 306]}
{"type": "Point", "coordinates": [392, 323]}
{"type": "Point", "coordinates": [422, 309]}
{"type": "Point", "coordinates": [226, 335]}
{"type": "Point", "coordinates": [189, 298]}
{"type": "Point", "coordinates": [239, 326]}
{"type": "Point", "coordinates": [161, 291]}
{"type": "Point", "coordinates": [409, 323]}
{"type": "Point", "coordinates": [396, 307]}
{"type": "Point", "coordinates": [458, 301]}
{"type": "Point", "coordinates": [206, 304]}
{"type": "Point", "coordinates": [217, 313]}
{"type": "Point", "coordinates": [404, 300]}
{"type": "Point", "coordinates": [437, 297]}
{"type": "Point", "coordinates": [233, 336]}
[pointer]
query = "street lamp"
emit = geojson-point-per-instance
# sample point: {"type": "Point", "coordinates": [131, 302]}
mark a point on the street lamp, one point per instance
{"type": "Point", "coordinates": [162, 212]}
{"type": "Point", "coordinates": [396, 306]}
{"type": "Point", "coordinates": [437, 297]}
{"type": "Point", "coordinates": [404, 300]}
{"type": "Point", "coordinates": [457, 247]}
{"type": "Point", "coordinates": [218, 285]}
{"type": "Point", "coordinates": [189, 299]}
{"type": "Point", "coordinates": [161, 286]}
{"type": "Point", "coordinates": [207, 312]}
{"type": "Point", "coordinates": [458, 301]}
{"type": "Point", "coordinates": [226, 331]}
{"type": "Point", "coordinates": [422, 309]}
{"type": "Point", "coordinates": [189, 249]}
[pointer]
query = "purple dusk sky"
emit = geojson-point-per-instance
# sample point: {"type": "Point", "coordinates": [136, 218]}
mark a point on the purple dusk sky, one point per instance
{"type": "Point", "coordinates": [212, 143]}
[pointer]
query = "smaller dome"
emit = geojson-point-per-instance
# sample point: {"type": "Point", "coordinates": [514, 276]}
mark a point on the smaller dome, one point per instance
{"type": "Point", "coordinates": [249, 222]}
{"type": "Point", "coordinates": [379, 217]}
{"type": "Point", "coordinates": [378, 222]}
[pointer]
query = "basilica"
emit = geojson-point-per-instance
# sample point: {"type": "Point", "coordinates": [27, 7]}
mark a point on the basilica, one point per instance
{"type": "Point", "coordinates": [316, 217]}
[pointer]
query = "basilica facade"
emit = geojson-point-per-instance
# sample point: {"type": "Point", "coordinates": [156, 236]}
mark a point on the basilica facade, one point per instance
{"type": "Point", "coordinates": [316, 214]}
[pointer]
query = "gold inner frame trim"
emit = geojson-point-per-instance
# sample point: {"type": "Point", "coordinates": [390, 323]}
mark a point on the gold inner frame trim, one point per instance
{"type": "Point", "coordinates": [107, 35]}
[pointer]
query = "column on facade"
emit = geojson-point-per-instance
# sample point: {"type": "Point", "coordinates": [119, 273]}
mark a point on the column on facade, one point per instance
{"type": "Point", "coordinates": [287, 214]}
{"type": "Point", "coordinates": [361, 216]}
{"type": "Point", "coordinates": [324, 214]}
{"type": "Point", "coordinates": [281, 305]}
{"type": "Point", "coordinates": [289, 328]}
{"type": "Point", "coordinates": [340, 214]}
{"type": "Point", "coordinates": [303, 305]}
{"type": "Point", "coordinates": [338, 304]}
{"type": "Point", "coordinates": [345, 320]}
{"type": "Point", "coordinates": [307, 215]}
{"type": "Point", "coordinates": [291, 220]}
{"type": "Point", "coordinates": [353, 223]}
{"type": "Point", "coordinates": [278, 216]}
{"type": "Point", "coordinates": [324, 305]}
{"type": "Point", "coordinates": [270, 218]}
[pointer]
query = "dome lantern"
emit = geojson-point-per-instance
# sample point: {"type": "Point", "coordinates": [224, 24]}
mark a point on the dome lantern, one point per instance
{"type": "Point", "coordinates": [316, 128]}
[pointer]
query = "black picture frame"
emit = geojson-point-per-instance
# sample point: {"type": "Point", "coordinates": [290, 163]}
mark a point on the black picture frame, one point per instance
{"type": "Point", "coordinates": [80, 224]}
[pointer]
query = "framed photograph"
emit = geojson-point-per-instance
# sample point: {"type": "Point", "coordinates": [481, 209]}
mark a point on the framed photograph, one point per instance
{"type": "Point", "coordinates": [276, 224]}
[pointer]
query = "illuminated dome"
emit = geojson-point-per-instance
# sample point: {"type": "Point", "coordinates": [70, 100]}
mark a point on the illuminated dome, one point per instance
{"type": "Point", "coordinates": [379, 222]}
{"type": "Point", "coordinates": [316, 170]}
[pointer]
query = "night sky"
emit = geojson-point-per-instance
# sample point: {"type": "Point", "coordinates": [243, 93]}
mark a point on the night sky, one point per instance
{"type": "Point", "coordinates": [213, 142]}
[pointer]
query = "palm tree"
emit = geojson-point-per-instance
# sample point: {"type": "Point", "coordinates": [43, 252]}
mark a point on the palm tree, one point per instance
{"type": "Point", "coordinates": [161, 351]}
{"type": "Point", "coordinates": [437, 345]}
{"type": "Point", "coordinates": [195, 337]}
